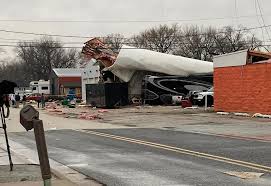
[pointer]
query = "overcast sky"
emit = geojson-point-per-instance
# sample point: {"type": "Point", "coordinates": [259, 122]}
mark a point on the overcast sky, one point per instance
{"type": "Point", "coordinates": [118, 16]}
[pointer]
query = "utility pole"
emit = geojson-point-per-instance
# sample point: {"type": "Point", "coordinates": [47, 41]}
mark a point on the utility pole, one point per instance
{"type": "Point", "coordinates": [29, 118]}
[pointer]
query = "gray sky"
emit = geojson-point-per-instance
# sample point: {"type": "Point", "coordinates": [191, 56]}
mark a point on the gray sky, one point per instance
{"type": "Point", "coordinates": [102, 12]}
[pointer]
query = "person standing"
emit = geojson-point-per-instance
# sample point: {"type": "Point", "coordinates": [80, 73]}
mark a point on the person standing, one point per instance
{"type": "Point", "coordinates": [38, 100]}
{"type": "Point", "coordinates": [17, 99]}
{"type": "Point", "coordinates": [12, 98]}
{"type": "Point", "coordinates": [24, 100]}
{"type": "Point", "coordinates": [42, 100]}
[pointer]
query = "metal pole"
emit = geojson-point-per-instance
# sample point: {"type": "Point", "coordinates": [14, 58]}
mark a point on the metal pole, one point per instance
{"type": "Point", "coordinates": [145, 90]}
{"type": "Point", "coordinates": [4, 126]}
{"type": "Point", "coordinates": [205, 107]}
{"type": "Point", "coordinates": [42, 152]}
{"type": "Point", "coordinates": [47, 182]}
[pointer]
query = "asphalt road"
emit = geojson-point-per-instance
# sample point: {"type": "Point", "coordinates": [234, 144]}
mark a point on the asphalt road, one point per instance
{"type": "Point", "coordinates": [156, 157]}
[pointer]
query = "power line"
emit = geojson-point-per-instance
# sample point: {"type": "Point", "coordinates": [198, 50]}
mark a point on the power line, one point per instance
{"type": "Point", "coordinates": [123, 21]}
{"type": "Point", "coordinates": [42, 34]}
{"type": "Point", "coordinates": [236, 12]}
{"type": "Point", "coordinates": [28, 41]}
{"type": "Point", "coordinates": [88, 37]}
{"type": "Point", "coordinates": [261, 14]}
{"type": "Point", "coordinates": [256, 9]}
{"type": "Point", "coordinates": [12, 39]}
{"type": "Point", "coordinates": [28, 46]}
{"type": "Point", "coordinates": [126, 21]}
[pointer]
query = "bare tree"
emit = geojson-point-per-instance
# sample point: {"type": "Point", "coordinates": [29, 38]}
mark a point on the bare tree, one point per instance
{"type": "Point", "coordinates": [160, 39]}
{"type": "Point", "coordinates": [191, 41]}
{"type": "Point", "coordinates": [40, 57]}
{"type": "Point", "coordinates": [195, 42]}
{"type": "Point", "coordinates": [115, 41]}
{"type": "Point", "coordinates": [230, 40]}
{"type": "Point", "coordinates": [203, 43]}
{"type": "Point", "coordinates": [13, 71]}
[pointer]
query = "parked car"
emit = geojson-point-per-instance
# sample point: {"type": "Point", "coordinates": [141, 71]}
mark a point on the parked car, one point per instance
{"type": "Point", "coordinates": [176, 100]}
{"type": "Point", "coordinates": [36, 97]}
{"type": "Point", "coordinates": [199, 97]}
{"type": "Point", "coordinates": [33, 97]}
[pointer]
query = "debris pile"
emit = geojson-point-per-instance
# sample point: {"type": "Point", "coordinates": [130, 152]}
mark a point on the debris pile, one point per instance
{"type": "Point", "coordinates": [88, 116]}
{"type": "Point", "coordinates": [51, 105]}
{"type": "Point", "coordinates": [79, 113]}
{"type": "Point", "coordinates": [96, 49]}
{"type": "Point", "coordinates": [102, 111]}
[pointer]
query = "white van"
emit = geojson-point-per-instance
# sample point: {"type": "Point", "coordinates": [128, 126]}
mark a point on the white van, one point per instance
{"type": "Point", "coordinates": [40, 87]}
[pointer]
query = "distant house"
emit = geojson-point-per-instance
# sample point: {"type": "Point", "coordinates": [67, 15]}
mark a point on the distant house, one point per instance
{"type": "Point", "coordinates": [63, 81]}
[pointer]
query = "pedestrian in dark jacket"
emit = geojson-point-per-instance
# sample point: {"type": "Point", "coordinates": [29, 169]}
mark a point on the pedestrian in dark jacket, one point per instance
{"type": "Point", "coordinates": [42, 100]}
{"type": "Point", "coordinates": [24, 100]}
{"type": "Point", "coordinates": [38, 100]}
{"type": "Point", "coordinates": [17, 99]}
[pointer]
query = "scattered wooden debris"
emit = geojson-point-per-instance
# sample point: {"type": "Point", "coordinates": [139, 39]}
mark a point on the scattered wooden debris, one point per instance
{"type": "Point", "coordinates": [241, 114]}
{"type": "Point", "coordinates": [258, 115]}
{"type": "Point", "coordinates": [245, 175]}
{"type": "Point", "coordinates": [223, 113]}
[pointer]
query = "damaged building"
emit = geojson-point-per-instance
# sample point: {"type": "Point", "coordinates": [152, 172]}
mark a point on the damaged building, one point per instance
{"type": "Point", "coordinates": [139, 69]}
{"type": "Point", "coordinates": [241, 82]}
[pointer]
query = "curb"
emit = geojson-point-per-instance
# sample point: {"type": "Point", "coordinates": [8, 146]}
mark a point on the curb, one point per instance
{"type": "Point", "coordinates": [58, 169]}
{"type": "Point", "coordinates": [242, 137]}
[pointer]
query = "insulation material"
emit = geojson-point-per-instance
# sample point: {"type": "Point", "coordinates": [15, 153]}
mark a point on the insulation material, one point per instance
{"type": "Point", "coordinates": [132, 59]}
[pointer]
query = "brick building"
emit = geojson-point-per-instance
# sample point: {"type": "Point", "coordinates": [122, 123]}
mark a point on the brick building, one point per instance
{"type": "Point", "coordinates": [242, 82]}
{"type": "Point", "coordinates": [65, 80]}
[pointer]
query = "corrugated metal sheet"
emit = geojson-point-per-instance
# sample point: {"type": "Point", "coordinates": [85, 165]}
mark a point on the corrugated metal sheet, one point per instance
{"type": "Point", "coordinates": [131, 60]}
{"type": "Point", "coordinates": [68, 72]}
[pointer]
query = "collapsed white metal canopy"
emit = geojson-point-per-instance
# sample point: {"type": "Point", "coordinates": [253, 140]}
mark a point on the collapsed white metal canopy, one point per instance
{"type": "Point", "coordinates": [132, 59]}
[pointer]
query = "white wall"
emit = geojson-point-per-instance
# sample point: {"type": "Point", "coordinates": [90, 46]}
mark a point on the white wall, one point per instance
{"type": "Point", "coordinates": [90, 75]}
{"type": "Point", "coordinates": [238, 58]}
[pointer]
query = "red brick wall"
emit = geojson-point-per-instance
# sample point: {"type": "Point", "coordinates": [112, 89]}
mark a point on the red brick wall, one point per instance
{"type": "Point", "coordinates": [69, 79]}
{"type": "Point", "coordinates": [243, 88]}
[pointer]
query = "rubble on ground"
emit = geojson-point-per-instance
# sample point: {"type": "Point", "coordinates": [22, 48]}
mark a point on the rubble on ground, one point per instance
{"type": "Point", "coordinates": [258, 115]}
{"type": "Point", "coordinates": [81, 112]}
{"type": "Point", "coordinates": [245, 175]}
{"type": "Point", "coordinates": [243, 114]}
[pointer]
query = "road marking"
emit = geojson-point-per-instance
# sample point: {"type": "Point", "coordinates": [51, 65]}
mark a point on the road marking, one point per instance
{"type": "Point", "coordinates": [182, 151]}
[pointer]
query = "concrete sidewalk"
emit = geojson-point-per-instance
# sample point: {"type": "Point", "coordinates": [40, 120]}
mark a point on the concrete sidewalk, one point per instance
{"type": "Point", "coordinates": [23, 173]}
{"type": "Point", "coordinates": [25, 158]}
{"type": "Point", "coordinates": [26, 161]}
{"type": "Point", "coordinates": [38, 183]}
